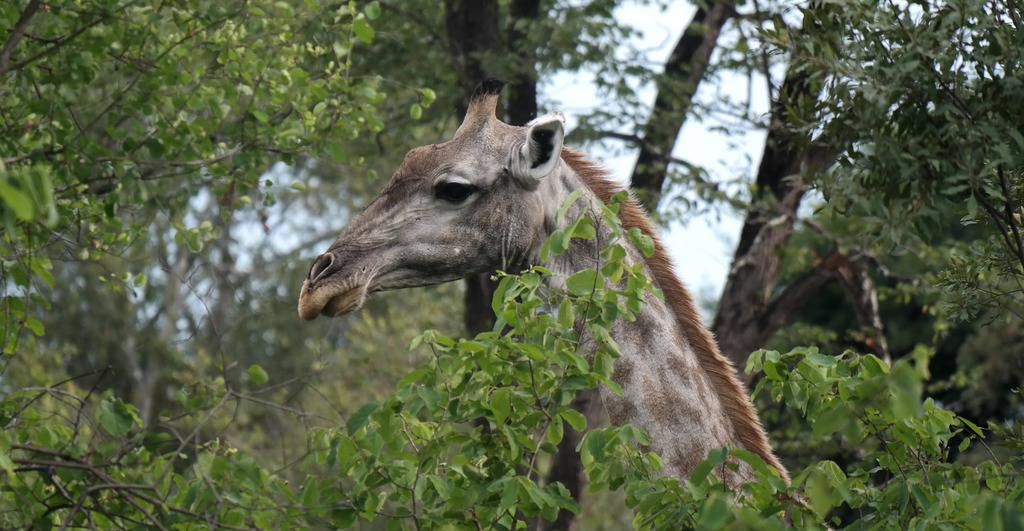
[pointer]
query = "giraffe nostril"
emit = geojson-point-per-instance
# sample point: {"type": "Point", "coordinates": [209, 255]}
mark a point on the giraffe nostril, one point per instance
{"type": "Point", "coordinates": [320, 266]}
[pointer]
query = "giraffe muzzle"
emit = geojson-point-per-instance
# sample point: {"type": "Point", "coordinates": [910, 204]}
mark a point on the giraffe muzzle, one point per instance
{"type": "Point", "coordinates": [331, 289]}
{"type": "Point", "coordinates": [332, 300]}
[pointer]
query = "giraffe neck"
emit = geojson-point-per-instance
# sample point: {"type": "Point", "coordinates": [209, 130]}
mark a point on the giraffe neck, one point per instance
{"type": "Point", "coordinates": [665, 388]}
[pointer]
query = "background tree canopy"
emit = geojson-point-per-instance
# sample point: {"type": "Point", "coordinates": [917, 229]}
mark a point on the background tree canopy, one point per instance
{"type": "Point", "coordinates": [168, 169]}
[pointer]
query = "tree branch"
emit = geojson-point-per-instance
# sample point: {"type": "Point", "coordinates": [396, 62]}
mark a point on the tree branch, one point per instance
{"type": "Point", "coordinates": [17, 32]}
{"type": "Point", "coordinates": [746, 314]}
{"type": "Point", "coordinates": [4, 69]}
{"type": "Point", "coordinates": [668, 159]}
{"type": "Point", "coordinates": [854, 275]}
{"type": "Point", "coordinates": [676, 87]}
{"type": "Point", "coordinates": [852, 272]}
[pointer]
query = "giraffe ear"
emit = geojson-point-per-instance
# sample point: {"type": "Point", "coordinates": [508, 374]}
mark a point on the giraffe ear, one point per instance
{"type": "Point", "coordinates": [541, 151]}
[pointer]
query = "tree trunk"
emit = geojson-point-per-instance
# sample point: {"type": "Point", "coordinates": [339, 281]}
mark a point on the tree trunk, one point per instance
{"type": "Point", "coordinates": [747, 314]}
{"type": "Point", "coordinates": [522, 91]}
{"type": "Point", "coordinates": [752, 308]}
{"type": "Point", "coordinates": [742, 322]}
{"type": "Point", "coordinates": [472, 30]}
{"type": "Point", "coordinates": [676, 87]}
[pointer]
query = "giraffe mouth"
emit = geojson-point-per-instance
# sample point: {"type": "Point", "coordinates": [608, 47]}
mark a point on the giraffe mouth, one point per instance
{"type": "Point", "coordinates": [331, 300]}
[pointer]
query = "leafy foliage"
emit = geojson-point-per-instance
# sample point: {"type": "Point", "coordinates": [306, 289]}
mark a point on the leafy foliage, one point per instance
{"type": "Point", "coordinates": [915, 95]}
{"type": "Point", "coordinates": [136, 139]}
{"type": "Point", "coordinates": [117, 110]}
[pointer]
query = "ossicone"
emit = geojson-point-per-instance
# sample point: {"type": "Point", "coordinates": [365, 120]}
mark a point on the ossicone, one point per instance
{"type": "Point", "coordinates": [483, 105]}
{"type": "Point", "coordinates": [488, 87]}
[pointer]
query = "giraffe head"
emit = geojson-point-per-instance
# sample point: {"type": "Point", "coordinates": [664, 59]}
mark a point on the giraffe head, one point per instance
{"type": "Point", "coordinates": [470, 205]}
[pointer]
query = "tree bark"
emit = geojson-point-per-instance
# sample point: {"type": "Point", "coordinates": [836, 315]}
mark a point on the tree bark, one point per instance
{"type": "Point", "coordinates": [676, 88]}
{"type": "Point", "coordinates": [743, 322]}
{"type": "Point", "coordinates": [522, 90]}
{"type": "Point", "coordinates": [855, 277]}
{"type": "Point", "coordinates": [472, 30]}
{"type": "Point", "coordinates": [752, 308]}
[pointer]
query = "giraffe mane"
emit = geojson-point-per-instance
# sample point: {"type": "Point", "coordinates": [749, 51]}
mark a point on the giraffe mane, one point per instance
{"type": "Point", "coordinates": [732, 393]}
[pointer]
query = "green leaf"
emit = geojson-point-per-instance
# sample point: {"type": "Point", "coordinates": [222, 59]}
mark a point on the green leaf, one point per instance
{"type": "Point", "coordinates": [264, 519]}
{"type": "Point", "coordinates": [372, 10]}
{"type": "Point", "coordinates": [509, 493]}
{"type": "Point", "coordinates": [415, 111]}
{"type": "Point", "coordinates": [116, 417]}
{"type": "Point", "coordinates": [360, 418]}
{"type": "Point", "coordinates": [501, 404]}
{"type": "Point", "coordinates": [714, 513]}
{"type": "Point", "coordinates": [257, 375]}
{"type": "Point", "coordinates": [6, 463]}
{"type": "Point", "coordinates": [830, 420]}
{"type": "Point", "coordinates": [556, 430]}
{"type": "Point", "coordinates": [427, 96]}
{"type": "Point", "coordinates": [41, 267]}
{"type": "Point", "coordinates": [821, 491]}
{"type": "Point", "coordinates": [564, 207]}
{"type": "Point", "coordinates": [991, 517]}
{"type": "Point", "coordinates": [583, 229]}
{"type": "Point", "coordinates": [498, 299]}
{"type": "Point", "coordinates": [311, 494]}
{"type": "Point", "coordinates": [972, 426]}
{"type": "Point", "coordinates": [442, 486]}
{"type": "Point", "coordinates": [363, 30]}
{"type": "Point", "coordinates": [566, 314]}
{"type": "Point", "coordinates": [582, 282]}
{"type": "Point", "coordinates": [16, 200]}
{"type": "Point", "coordinates": [905, 387]}
{"type": "Point", "coordinates": [343, 518]}
{"type": "Point", "coordinates": [558, 242]}
{"type": "Point", "coordinates": [594, 444]}
{"type": "Point", "coordinates": [700, 472]}
{"type": "Point", "coordinates": [35, 326]}
{"type": "Point", "coordinates": [642, 241]}
{"type": "Point", "coordinates": [575, 419]}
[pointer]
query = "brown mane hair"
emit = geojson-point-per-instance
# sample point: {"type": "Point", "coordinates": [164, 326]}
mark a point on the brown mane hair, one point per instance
{"type": "Point", "coordinates": [720, 370]}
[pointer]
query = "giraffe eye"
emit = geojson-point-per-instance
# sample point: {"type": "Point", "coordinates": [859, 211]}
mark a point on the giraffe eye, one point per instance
{"type": "Point", "coordinates": [454, 192]}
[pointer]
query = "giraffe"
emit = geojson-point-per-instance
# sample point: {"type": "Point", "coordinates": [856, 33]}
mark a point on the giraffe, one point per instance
{"type": "Point", "coordinates": [487, 199]}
